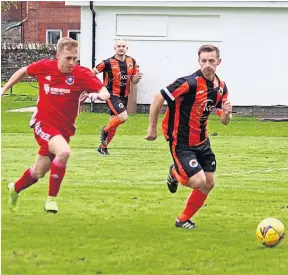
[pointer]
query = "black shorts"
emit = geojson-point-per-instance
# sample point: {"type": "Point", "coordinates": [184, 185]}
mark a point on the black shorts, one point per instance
{"type": "Point", "coordinates": [117, 105]}
{"type": "Point", "coordinates": [190, 160]}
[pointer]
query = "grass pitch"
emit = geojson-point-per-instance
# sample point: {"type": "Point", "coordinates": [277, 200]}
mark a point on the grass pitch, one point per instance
{"type": "Point", "coordinates": [117, 216]}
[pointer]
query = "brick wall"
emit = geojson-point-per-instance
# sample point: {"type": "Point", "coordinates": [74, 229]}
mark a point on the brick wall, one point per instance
{"type": "Point", "coordinates": [42, 15]}
{"type": "Point", "coordinates": [50, 15]}
{"type": "Point", "coordinates": [13, 14]}
{"type": "Point", "coordinates": [10, 18]}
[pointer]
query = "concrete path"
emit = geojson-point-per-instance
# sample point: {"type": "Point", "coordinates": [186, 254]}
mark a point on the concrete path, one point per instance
{"type": "Point", "coordinates": [27, 109]}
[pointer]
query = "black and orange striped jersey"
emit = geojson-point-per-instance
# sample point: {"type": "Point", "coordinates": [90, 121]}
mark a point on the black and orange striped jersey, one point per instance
{"type": "Point", "coordinates": [190, 100]}
{"type": "Point", "coordinates": [117, 74]}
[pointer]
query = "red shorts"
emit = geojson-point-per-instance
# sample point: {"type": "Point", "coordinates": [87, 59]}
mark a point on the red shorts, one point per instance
{"type": "Point", "coordinates": [43, 133]}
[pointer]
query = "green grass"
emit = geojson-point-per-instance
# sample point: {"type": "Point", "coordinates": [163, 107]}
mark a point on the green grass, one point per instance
{"type": "Point", "coordinates": [23, 95]}
{"type": "Point", "coordinates": [23, 89]}
{"type": "Point", "coordinates": [117, 216]}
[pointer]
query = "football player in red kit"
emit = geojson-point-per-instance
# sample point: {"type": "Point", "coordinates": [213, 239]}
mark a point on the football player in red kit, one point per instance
{"type": "Point", "coordinates": [62, 86]}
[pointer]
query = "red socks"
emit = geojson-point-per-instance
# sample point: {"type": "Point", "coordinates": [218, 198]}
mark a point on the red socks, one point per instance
{"type": "Point", "coordinates": [111, 134]}
{"type": "Point", "coordinates": [194, 203]}
{"type": "Point", "coordinates": [25, 181]}
{"type": "Point", "coordinates": [57, 173]}
{"type": "Point", "coordinates": [195, 200]}
{"type": "Point", "coordinates": [113, 123]}
{"type": "Point", "coordinates": [111, 129]}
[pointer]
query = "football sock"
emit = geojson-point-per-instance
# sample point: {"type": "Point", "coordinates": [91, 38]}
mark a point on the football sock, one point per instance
{"type": "Point", "coordinates": [111, 134]}
{"type": "Point", "coordinates": [195, 201]}
{"type": "Point", "coordinates": [25, 181]}
{"type": "Point", "coordinates": [57, 173]}
{"type": "Point", "coordinates": [113, 123]}
{"type": "Point", "coordinates": [180, 179]}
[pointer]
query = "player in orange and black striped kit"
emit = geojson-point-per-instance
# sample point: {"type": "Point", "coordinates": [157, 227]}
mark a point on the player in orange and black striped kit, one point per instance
{"type": "Point", "coordinates": [190, 100]}
{"type": "Point", "coordinates": [118, 71]}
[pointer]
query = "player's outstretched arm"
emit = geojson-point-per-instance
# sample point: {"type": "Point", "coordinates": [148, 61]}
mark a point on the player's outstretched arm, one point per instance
{"type": "Point", "coordinates": [94, 70]}
{"type": "Point", "coordinates": [226, 116]}
{"type": "Point", "coordinates": [103, 95]}
{"type": "Point", "coordinates": [15, 78]}
{"type": "Point", "coordinates": [155, 108]}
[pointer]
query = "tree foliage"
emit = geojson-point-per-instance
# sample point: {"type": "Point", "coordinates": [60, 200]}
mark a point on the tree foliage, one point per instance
{"type": "Point", "coordinates": [6, 5]}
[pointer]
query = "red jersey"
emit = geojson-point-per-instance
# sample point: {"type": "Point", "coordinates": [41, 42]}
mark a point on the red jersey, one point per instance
{"type": "Point", "coordinates": [60, 94]}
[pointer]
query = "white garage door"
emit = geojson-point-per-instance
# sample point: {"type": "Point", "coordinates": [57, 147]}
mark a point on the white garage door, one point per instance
{"type": "Point", "coordinates": [162, 62]}
{"type": "Point", "coordinates": [166, 46]}
{"type": "Point", "coordinates": [252, 41]}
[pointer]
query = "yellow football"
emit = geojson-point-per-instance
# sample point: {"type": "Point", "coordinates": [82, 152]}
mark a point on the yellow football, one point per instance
{"type": "Point", "coordinates": [270, 232]}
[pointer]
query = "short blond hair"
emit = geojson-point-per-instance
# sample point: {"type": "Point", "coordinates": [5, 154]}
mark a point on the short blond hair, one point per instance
{"type": "Point", "coordinates": [66, 42]}
{"type": "Point", "coordinates": [209, 48]}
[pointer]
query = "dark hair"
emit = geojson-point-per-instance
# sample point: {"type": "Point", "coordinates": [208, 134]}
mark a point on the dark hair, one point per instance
{"type": "Point", "coordinates": [209, 48]}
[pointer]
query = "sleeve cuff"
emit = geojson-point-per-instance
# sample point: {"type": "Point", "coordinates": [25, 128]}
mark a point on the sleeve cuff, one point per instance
{"type": "Point", "coordinates": [167, 95]}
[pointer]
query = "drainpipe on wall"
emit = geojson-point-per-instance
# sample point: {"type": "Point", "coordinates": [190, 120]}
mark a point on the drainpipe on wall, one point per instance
{"type": "Point", "coordinates": [93, 33]}
{"type": "Point", "coordinates": [93, 43]}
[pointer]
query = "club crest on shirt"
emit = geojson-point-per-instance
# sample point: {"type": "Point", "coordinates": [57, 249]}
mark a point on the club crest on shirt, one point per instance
{"type": "Point", "coordinates": [130, 65]}
{"type": "Point", "coordinates": [70, 80]}
{"type": "Point", "coordinates": [220, 90]}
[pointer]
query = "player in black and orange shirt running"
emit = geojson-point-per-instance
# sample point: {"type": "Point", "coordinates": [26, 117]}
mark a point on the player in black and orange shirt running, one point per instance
{"type": "Point", "coordinates": [190, 100]}
{"type": "Point", "coordinates": [118, 71]}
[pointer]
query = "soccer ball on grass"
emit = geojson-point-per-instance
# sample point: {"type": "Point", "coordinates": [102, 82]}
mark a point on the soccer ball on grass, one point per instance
{"type": "Point", "coordinates": [270, 232]}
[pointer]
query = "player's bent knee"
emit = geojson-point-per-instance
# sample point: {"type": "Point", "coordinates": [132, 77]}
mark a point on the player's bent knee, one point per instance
{"type": "Point", "coordinates": [207, 187]}
{"type": "Point", "coordinates": [64, 154]}
{"type": "Point", "coordinates": [210, 182]}
{"type": "Point", "coordinates": [123, 116]}
{"type": "Point", "coordinates": [197, 181]}
{"type": "Point", "coordinates": [210, 185]}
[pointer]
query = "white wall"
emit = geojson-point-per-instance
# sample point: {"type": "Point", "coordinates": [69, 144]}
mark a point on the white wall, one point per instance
{"type": "Point", "coordinates": [164, 41]}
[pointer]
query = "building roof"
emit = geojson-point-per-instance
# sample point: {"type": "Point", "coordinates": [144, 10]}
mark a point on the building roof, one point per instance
{"type": "Point", "coordinates": [187, 3]}
{"type": "Point", "coordinates": [5, 26]}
